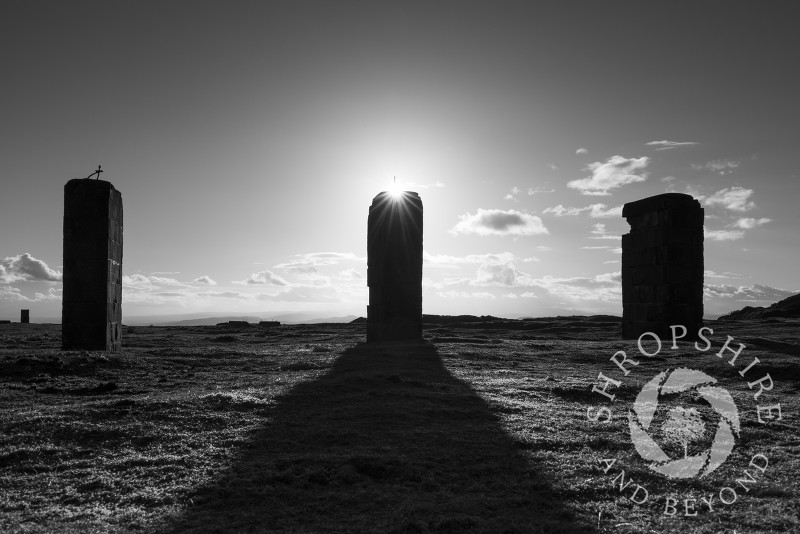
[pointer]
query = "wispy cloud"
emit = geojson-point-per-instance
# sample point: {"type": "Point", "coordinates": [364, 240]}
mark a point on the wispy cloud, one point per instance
{"type": "Point", "coordinates": [512, 195]}
{"type": "Point", "coordinates": [552, 166]}
{"type": "Point", "coordinates": [747, 223]}
{"type": "Point", "coordinates": [722, 235]}
{"type": "Point", "coordinates": [669, 145]}
{"type": "Point", "coordinates": [599, 232]}
{"type": "Point", "coordinates": [12, 294]}
{"type": "Point", "coordinates": [303, 294]}
{"type": "Point", "coordinates": [596, 211]}
{"type": "Point", "coordinates": [581, 151]}
{"type": "Point", "coordinates": [205, 280]}
{"type": "Point", "coordinates": [754, 293]}
{"type": "Point", "coordinates": [465, 295]}
{"type": "Point", "coordinates": [222, 294]}
{"type": "Point", "coordinates": [316, 259]}
{"type": "Point", "coordinates": [536, 190]}
{"type": "Point", "coordinates": [611, 174]}
{"type": "Point", "coordinates": [265, 277]}
{"type": "Point", "coordinates": [26, 268]}
{"type": "Point", "coordinates": [732, 198]}
{"type": "Point", "coordinates": [476, 259]}
{"type": "Point", "coordinates": [719, 166]}
{"type": "Point", "coordinates": [499, 222]}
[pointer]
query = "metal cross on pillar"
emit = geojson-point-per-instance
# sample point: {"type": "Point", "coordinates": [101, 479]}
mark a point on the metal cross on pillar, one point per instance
{"type": "Point", "coordinates": [97, 172]}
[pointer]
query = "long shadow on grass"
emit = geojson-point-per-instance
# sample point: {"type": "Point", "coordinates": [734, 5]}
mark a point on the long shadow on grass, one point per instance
{"type": "Point", "coordinates": [387, 441]}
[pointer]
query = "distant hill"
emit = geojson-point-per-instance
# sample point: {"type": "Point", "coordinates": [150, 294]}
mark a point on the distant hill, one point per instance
{"type": "Point", "coordinates": [196, 319]}
{"type": "Point", "coordinates": [788, 307]}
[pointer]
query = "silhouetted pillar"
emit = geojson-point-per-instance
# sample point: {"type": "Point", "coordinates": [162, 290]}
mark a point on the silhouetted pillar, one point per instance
{"type": "Point", "coordinates": [92, 303]}
{"type": "Point", "coordinates": [394, 267]}
{"type": "Point", "coordinates": [662, 265]}
{"type": "Point", "coordinates": [25, 316]}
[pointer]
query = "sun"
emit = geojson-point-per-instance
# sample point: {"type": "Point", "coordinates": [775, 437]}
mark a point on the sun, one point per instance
{"type": "Point", "coordinates": [395, 190]}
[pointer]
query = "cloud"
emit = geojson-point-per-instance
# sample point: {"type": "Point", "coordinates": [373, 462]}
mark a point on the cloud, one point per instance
{"type": "Point", "coordinates": [350, 274]}
{"type": "Point", "coordinates": [749, 223]}
{"type": "Point", "coordinates": [722, 235]}
{"type": "Point", "coordinates": [222, 294]}
{"type": "Point", "coordinates": [465, 295]}
{"type": "Point", "coordinates": [668, 145]}
{"type": "Point", "coordinates": [552, 166]}
{"type": "Point", "coordinates": [581, 151]}
{"type": "Point", "coordinates": [316, 259]}
{"type": "Point", "coordinates": [614, 173]}
{"type": "Point", "coordinates": [475, 259]}
{"type": "Point", "coordinates": [726, 275]}
{"type": "Point", "coordinates": [26, 268]}
{"type": "Point", "coordinates": [513, 194]}
{"type": "Point", "coordinates": [499, 274]}
{"type": "Point", "coordinates": [52, 294]}
{"type": "Point", "coordinates": [303, 294]}
{"type": "Point", "coordinates": [751, 294]}
{"type": "Point", "coordinates": [599, 232]}
{"type": "Point", "coordinates": [205, 280]}
{"type": "Point", "coordinates": [536, 190]}
{"type": "Point", "coordinates": [596, 211]}
{"type": "Point", "coordinates": [265, 277]}
{"type": "Point", "coordinates": [13, 294]}
{"type": "Point", "coordinates": [732, 198]}
{"type": "Point", "coordinates": [151, 289]}
{"type": "Point", "coordinates": [499, 222]}
{"type": "Point", "coordinates": [416, 185]}
{"type": "Point", "coordinates": [605, 287]}
{"type": "Point", "coordinates": [720, 166]}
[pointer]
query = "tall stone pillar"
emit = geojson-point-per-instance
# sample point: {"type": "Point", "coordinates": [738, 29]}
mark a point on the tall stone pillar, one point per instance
{"type": "Point", "coordinates": [662, 265]}
{"type": "Point", "coordinates": [24, 316]}
{"type": "Point", "coordinates": [394, 267]}
{"type": "Point", "coordinates": [91, 316]}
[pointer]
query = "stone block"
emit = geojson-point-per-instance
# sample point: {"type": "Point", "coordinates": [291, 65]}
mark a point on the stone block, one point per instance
{"type": "Point", "coordinates": [394, 267]}
{"type": "Point", "coordinates": [91, 314]}
{"type": "Point", "coordinates": [662, 264]}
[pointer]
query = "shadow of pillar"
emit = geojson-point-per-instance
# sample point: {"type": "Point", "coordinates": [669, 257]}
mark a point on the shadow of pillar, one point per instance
{"type": "Point", "coordinates": [387, 441]}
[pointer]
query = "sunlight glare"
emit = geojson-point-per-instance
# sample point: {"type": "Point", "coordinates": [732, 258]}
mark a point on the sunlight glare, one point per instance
{"type": "Point", "coordinates": [394, 190]}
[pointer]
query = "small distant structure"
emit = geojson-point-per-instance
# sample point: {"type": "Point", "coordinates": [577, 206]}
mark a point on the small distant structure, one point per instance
{"type": "Point", "coordinates": [662, 265]}
{"type": "Point", "coordinates": [25, 316]}
{"type": "Point", "coordinates": [5, 321]}
{"type": "Point", "coordinates": [394, 267]}
{"type": "Point", "coordinates": [237, 324]}
{"type": "Point", "coordinates": [269, 324]}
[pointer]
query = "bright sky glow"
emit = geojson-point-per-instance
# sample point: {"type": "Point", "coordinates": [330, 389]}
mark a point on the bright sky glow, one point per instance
{"type": "Point", "coordinates": [249, 139]}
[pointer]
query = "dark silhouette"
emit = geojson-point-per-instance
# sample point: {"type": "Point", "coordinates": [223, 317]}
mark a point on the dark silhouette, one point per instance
{"type": "Point", "coordinates": [91, 313]}
{"type": "Point", "coordinates": [386, 441]}
{"type": "Point", "coordinates": [25, 316]}
{"type": "Point", "coordinates": [662, 265]}
{"type": "Point", "coordinates": [394, 267]}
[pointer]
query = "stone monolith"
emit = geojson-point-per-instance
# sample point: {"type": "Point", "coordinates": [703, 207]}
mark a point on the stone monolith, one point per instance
{"type": "Point", "coordinates": [662, 265]}
{"type": "Point", "coordinates": [394, 267]}
{"type": "Point", "coordinates": [91, 314]}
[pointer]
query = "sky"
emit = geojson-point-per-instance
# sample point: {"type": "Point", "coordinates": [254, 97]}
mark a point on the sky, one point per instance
{"type": "Point", "coordinates": [249, 138]}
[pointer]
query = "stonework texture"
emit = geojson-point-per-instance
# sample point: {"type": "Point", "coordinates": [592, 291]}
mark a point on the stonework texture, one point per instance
{"type": "Point", "coordinates": [662, 265]}
{"type": "Point", "coordinates": [91, 315]}
{"type": "Point", "coordinates": [394, 267]}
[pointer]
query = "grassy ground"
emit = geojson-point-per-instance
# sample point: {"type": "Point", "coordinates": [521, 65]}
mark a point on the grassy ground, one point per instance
{"type": "Point", "coordinates": [483, 428]}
